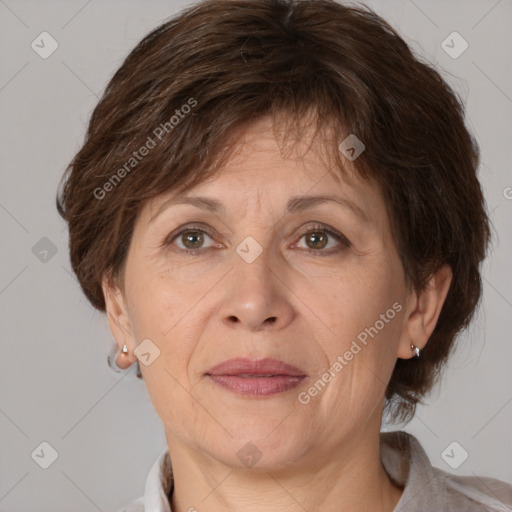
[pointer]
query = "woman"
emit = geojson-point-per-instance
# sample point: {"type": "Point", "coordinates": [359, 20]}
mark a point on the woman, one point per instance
{"type": "Point", "coordinates": [277, 207]}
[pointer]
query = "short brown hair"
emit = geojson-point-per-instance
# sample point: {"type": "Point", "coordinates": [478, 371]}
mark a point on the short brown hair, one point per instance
{"type": "Point", "coordinates": [239, 60]}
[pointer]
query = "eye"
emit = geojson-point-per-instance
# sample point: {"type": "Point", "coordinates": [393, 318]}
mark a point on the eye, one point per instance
{"type": "Point", "coordinates": [191, 239]}
{"type": "Point", "coordinates": [318, 237]}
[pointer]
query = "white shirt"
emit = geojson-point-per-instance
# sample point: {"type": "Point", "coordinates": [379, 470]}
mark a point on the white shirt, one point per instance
{"type": "Point", "coordinates": [426, 488]}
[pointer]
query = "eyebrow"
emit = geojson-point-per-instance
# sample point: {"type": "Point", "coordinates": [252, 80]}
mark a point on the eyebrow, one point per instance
{"type": "Point", "coordinates": [295, 204]}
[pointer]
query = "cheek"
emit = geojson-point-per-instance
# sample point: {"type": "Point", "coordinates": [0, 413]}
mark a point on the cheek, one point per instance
{"type": "Point", "coordinates": [156, 303]}
{"type": "Point", "coordinates": [162, 314]}
{"type": "Point", "coordinates": [363, 313]}
{"type": "Point", "coordinates": [354, 302]}
{"type": "Point", "coordinates": [365, 318]}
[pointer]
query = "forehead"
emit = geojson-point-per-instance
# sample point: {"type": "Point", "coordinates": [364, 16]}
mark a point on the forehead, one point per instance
{"type": "Point", "coordinates": [261, 171]}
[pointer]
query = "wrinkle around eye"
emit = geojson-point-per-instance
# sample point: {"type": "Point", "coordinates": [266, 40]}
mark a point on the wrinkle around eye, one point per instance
{"type": "Point", "coordinates": [292, 229]}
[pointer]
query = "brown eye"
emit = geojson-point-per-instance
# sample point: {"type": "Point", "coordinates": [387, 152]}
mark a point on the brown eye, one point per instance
{"type": "Point", "coordinates": [319, 237]}
{"type": "Point", "coordinates": [316, 240]}
{"type": "Point", "coordinates": [192, 239]}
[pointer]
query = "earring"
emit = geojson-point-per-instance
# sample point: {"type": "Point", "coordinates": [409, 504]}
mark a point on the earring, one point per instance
{"type": "Point", "coordinates": [118, 359]}
{"type": "Point", "coordinates": [122, 358]}
{"type": "Point", "coordinates": [126, 364]}
{"type": "Point", "coordinates": [417, 352]}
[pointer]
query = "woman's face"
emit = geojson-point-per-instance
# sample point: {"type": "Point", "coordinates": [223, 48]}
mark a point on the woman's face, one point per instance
{"type": "Point", "coordinates": [259, 286]}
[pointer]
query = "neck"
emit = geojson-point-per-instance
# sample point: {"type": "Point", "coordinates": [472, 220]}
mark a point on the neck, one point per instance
{"type": "Point", "coordinates": [349, 477]}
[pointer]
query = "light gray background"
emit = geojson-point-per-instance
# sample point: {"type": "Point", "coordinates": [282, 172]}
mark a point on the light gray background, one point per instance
{"type": "Point", "coordinates": [54, 382]}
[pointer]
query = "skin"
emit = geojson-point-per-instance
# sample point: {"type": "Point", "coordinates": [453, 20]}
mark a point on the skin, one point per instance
{"type": "Point", "coordinates": [203, 309]}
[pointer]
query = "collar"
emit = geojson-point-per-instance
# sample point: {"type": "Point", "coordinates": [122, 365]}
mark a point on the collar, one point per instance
{"type": "Point", "coordinates": [159, 483]}
{"type": "Point", "coordinates": [424, 487]}
{"type": "Point", "coordinates": [407, 464]}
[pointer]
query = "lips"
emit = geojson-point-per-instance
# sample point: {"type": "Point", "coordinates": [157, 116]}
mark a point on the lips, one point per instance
{"type": "Point", "coordinates": [255, 367]}
{"type": "Point", "coordinates": [256, 377]}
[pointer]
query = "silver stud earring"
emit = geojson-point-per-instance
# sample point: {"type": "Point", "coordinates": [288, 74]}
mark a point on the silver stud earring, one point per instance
{"type": "Point", "coordinates": [417, 351]}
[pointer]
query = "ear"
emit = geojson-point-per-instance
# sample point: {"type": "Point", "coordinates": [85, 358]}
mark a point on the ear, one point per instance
{"type": "Point", "coordinates": [422, 312]}
{"type": "Point", "coordinates": [118, 318]}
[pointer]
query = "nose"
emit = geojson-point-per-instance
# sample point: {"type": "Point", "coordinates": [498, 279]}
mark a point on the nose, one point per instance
{"type": "Point", "coordinates": [256, 296]}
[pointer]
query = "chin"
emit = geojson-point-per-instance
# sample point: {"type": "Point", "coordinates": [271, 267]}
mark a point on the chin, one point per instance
{"type": "Point", "coordinates": [260, 446]}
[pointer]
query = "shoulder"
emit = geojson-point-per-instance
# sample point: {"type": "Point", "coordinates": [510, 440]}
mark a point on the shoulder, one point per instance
{"type": "Point", "coordinates": [158, 486]}
{"type": "Point", "coordinates": [134, 506]}
{"type": "Point", "coordinates": [427, 487]}
{"type": "Point", "coordinates": [479, 493]}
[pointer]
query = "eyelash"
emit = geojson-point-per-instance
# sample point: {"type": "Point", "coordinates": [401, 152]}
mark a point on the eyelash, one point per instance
{"type": "Point", "coordinates": [316, 227]}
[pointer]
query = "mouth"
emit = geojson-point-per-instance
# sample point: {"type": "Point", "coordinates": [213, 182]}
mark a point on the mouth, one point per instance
{"type": "Point", "coordinates": [256, 377]}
